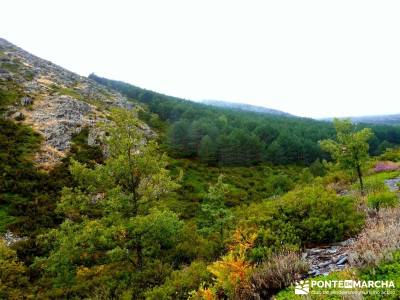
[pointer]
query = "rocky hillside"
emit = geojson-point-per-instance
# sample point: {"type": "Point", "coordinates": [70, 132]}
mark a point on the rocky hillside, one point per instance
{"type": "Point", "coordinates": [56, 102]}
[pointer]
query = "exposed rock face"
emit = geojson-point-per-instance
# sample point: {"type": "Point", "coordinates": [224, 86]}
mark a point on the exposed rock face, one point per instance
{"type": "Point", "coordinates": [26, 101]}
{"type": "Point", "coordinates": [324, 260]}
{"type": "Point", "coordinates": [54, 101]}
{"type": "Point", "coordinates": [59, 118]}
{"type": "Point", "coordinates": [10, 238]}
{"type": "Point", "coordinates": [393, 184]}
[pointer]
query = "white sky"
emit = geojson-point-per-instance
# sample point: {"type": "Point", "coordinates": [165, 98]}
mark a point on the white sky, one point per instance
{"type": "Point", "coordinates": [310, 58]}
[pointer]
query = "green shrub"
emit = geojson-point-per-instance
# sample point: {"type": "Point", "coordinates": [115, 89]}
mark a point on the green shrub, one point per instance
{"type": "Point", "coordinates": [388, 270]}
{"type": "Point", "coordinates": [279, 184]}
{"type": "Point", "coordinates": [181, 282]}
{"type": "Point", "coordinates": [319, 215]}
{"type": "Point", "coordinates": [280, 236]}
{"type": "Point", "coordinates": [373, 184]}
{"type": "Point", "coordinates": [306, 216]}
{"type": "Point", "coordinates": [317, 168]}
{"type": "Point", "coordinates": [383, 199]}
{"type": "Point", "coordinates": [391, 154]}
{"type": "Point", "coordinates": [5, 220]}
{"type": "Point", "coordinates": [376, 182]}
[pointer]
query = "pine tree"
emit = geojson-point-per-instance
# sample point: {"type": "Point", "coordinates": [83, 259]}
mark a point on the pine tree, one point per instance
{"type": "Point", "coordinates": [207, 150]}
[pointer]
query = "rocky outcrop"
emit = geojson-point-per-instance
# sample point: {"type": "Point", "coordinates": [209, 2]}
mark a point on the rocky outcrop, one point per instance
{"type": "Point", "coordinates": [58, 119]}
{"type": "Point", "coordinates": [26, 101]}
{"type": "Point", "coordinates": [393, 184]}
{"type": "Point", "coordinates": [54, 101]}
{"type": "Point", "coordinates": [323, 260]}
{"type": "Point", "coordinates": [10, 238]}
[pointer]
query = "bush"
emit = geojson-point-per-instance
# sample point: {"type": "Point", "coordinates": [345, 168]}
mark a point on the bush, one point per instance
{"type": "Point", "coordinates": [317, 168]}
{"type": "Point", "coordinates": [306, 216]}
{"type": "Point", "coordinates": [181, 282]}
{"type": "Point", "coordinates": [383, 199]}
{"type": "Point", "coordinates": [374, 183]}
{"type": "Point", "coordinates": [339, 180]}
{"type": "Point", "coordinates": [13, 274]}
{"type": "Point", "coordinates": [279, 184]}
{"type": "Point", "coordinates": [391, 154]}
{"type": "Point", "coordinates": [318, 215]}
{"type": "Point", "coordinates": [281, 237]}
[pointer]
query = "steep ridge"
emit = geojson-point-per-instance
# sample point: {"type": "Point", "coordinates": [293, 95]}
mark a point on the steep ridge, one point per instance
{"type": "Point", "coordinates": [57, 103]}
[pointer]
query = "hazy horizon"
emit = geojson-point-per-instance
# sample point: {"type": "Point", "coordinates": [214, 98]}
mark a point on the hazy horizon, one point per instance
{"type": "Point", "coordinates": [307, 58]}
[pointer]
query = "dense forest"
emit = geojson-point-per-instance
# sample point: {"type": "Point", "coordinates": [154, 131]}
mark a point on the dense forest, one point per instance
{"type": "Point", "coordinates": [226, 137]}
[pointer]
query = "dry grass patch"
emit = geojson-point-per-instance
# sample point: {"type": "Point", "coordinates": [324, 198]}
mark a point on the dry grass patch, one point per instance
{"type": "Point", "coordinates": [275, 274]}
{"type": "Point", "coordinates": [378, 240]}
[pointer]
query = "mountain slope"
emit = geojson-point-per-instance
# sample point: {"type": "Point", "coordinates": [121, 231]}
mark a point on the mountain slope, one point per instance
{"type": "Point", "coordinates": [57, 103]}
{"type": "Point", "coordinates": [245, 107]}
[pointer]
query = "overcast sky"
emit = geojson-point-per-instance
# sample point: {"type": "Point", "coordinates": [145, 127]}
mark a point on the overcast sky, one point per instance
{"type": "Point", "coordinates": [309, 58]}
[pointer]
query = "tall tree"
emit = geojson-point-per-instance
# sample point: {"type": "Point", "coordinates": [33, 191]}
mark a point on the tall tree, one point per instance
{"type": "Point", "coordinates": [351, 147]}
{"type": "Point", "coordinates": [111, 215]}
{"type": "Point", "coordinates": [208, 150]}
{"type": "Point", "coordinates": [178, 139]}
{"type": "Point", "coordinates": [215, 217]}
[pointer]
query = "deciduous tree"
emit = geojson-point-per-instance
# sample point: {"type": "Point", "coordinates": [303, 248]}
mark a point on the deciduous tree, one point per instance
{"type": "Point", "coordinates": [350, 149]}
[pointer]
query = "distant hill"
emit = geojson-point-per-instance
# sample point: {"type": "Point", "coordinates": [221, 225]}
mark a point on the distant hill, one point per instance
{"type": "Point", "coordinates": [380, 119]}
{"type": "Point", "coordinates": [245, 107]}
{"type": "Point", "coordinates": [377, 120]}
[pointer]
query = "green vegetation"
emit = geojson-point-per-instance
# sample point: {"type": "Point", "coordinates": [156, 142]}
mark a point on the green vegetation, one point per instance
{"type": "Point", "coordinates": [5, 219]}
{"type": "Point", "coordinates": [11, 66]}
{"type": "Point", "coordinates": [27, 195]}
{"type": "Point", "coordinates": [388, 270]}
{"type": "Point", "coordinates": [112, 225]}
{"type": "Point", "coordinates": [351, 147]}
{"type": "Point", "coordinates": [226, 216]}
{"type": "Point", "coordinates": [392, 154]}
{"type": "Point", "coordinates": [181, 282]}
{"type": "Point", "coordinates": [215, 217]}
{"type": "Point", "coordinates": [66, 91]}
{"type": "Point", "coordinates": [14, 281]}
{"type": "Point", "coordinates": [247, 184]}
{"type": "Point", "coordinates": [383, 199]}
{"type": "Point", "coordinates": [306, 216]}
{"type": "Point", "coordinates": [9, 94]}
